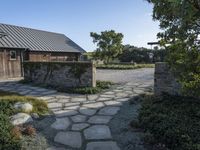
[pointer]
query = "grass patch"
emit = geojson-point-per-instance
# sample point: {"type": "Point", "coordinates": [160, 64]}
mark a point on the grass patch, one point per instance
{"type": "Point", "coordinates": [39, 107]}
{"type": "Point", "coordinates": [100, 86]}
{"type": "Point", "coordinates": [124, 66]}
{"type": "Point", "coordinates": [172, 120]}
{"type": "Point", "coordinates": [4, 93]}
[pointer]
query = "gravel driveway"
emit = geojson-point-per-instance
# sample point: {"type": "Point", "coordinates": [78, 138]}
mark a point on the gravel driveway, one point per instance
{"type": "Point", "coordinates": [124, 76]}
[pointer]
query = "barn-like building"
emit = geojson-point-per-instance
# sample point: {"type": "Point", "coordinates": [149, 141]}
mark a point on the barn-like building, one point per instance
{"type": "Point", "coordinates": [18, 44]}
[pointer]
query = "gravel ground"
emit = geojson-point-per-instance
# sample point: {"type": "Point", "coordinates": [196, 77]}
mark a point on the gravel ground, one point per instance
{"type": "Point", "coordinates": [124, 76]}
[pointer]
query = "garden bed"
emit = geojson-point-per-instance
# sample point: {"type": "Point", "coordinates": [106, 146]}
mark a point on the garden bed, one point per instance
{"type": "Point", "coordinates": [11, 136]}
{"type": "Point", "coordinates": [171, 122]}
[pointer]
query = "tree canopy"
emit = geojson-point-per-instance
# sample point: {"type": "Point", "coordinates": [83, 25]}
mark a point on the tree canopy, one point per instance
{"type": "Point", "coordinates": [109, 44]}
{"type": "Point", "coordinates": [180, 21]}
{"type": "Point", "coordinates": [142, 55]}
{"type": "Point", "coordinates": [179, 18]}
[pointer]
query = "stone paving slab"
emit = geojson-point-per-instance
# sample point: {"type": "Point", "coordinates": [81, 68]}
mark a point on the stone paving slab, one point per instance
{"type": "Point", "coordinates": [64, 113]}
{"type": "Point", "coordinates": [94, 105]}
{"type": "Point", "coordinates": [72, 139]}
{"type": "Point", "coordinates": [92, 97]}
{"type": "Point", "coordinates": [110, 145]}
{"type": "Point", "coordinates": [113, 103]}
{"type": "Point", "coordinates": [87, 111]}
{"type": "Point", "coordinates": [78, 118]}
{"type": "Point", "coordinates": [99, 119]}
{"type": "Point", "coordinates": [97, 132]}
{"type": "Point", "coordinates": [80, 126]}
{"type": "Point", "coordinates": [61, 124]}
{"type": "Point", "coordinates": [109, 111]}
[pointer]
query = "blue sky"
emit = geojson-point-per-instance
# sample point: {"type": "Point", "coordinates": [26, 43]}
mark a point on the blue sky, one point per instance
{"type": "Point", "coordinates": [77, 18]}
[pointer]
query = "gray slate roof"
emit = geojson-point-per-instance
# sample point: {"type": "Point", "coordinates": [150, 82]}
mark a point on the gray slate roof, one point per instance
{"type": "Point", "coordinates": [36, 40]}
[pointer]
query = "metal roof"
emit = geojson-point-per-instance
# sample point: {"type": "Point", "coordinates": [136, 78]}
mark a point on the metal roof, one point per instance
{"type": "Point", "coordinates": [36, 40]}
{"type": "Point", "coordinates": [2, 34]}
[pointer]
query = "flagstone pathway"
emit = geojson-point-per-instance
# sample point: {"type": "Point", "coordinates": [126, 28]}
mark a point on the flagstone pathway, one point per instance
{"type": "Point", "coordinates": [81, 121]}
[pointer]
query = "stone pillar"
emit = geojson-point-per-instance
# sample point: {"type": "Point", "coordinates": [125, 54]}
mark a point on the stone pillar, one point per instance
{"type": "Point", "coordinates": [164, 80]}
{"type": "Point", "coordinates": [93, 74]}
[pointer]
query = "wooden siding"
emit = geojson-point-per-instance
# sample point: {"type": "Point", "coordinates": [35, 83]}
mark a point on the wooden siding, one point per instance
{"type": "Point", "coordinates": [10, 68]}
{"type": "Point", "coordinates": [47, 56]}
{"type": "Point", "coordinates": [36, 56]}
{"type": "Point", "coordinates": [13, 68]}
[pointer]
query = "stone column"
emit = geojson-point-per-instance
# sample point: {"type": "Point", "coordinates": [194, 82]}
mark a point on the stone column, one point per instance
{"type": "Point", "coordinates": [93, 74]}
{"type": "Point", "coordinates": [164, 80]}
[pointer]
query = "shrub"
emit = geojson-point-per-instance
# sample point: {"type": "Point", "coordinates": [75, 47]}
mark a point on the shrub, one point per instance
{"type": "Point", "coordinates": [185, 64]}
{"type": "Point", "coordinates": [16, 132]}
{"type": "Point", "coordinates": [6, 107]}
{"type": "Point", "coordinates": [104, 84]}
{"type": "Point", "coordinates": [100, 85]}
{"type": "Point", "coordinates": [83, 90]}
{"type": "Point", "coordinates": [8, 141]}
{"type": "Point", "coordinates": [37, 142]}
{"type": "Point", "coordinates": [172, 120]}
{"type": "Point", "coordinates": [29, 130]}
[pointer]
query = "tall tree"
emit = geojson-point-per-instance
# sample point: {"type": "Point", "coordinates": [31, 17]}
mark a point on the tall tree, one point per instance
{"type": "Point", "coordinates": [180, 20]}
{"type": "Point", "coordinates": [109, 44]}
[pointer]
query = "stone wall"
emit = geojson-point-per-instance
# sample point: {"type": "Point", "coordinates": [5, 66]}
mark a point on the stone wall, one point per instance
{"type": "Point", "coordinates": [61, 74]}
{"type": "Point", "coordinates": [164, 80]}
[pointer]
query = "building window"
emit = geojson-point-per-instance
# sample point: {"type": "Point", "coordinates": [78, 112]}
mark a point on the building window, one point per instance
{"type": "Point", "coordinates": [13, 55]}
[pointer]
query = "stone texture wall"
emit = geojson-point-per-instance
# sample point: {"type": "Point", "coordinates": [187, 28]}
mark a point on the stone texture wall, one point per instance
{"type": "Point", "coordinates": [61, 74]}
{"type": "Point", "coordinates": [164, 80]}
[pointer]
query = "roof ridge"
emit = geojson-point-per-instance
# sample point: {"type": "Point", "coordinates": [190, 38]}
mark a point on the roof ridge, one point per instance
{"type": "Point", "coordinates": [32, 28]}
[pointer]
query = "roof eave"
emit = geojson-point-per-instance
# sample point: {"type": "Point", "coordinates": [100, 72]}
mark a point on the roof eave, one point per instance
{"type": "Point", "coordinates": [18, 48]}
{"type": "Point", "coordinates": [52, 51]}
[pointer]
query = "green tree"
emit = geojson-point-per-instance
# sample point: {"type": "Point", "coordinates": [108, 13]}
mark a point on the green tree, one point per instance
{"type": "Point", "coordinates": [109, 45]}
{"type": "Point", "coordinates": [141, 55]}
{"type": "Point", "coordinates": [180, 20]}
